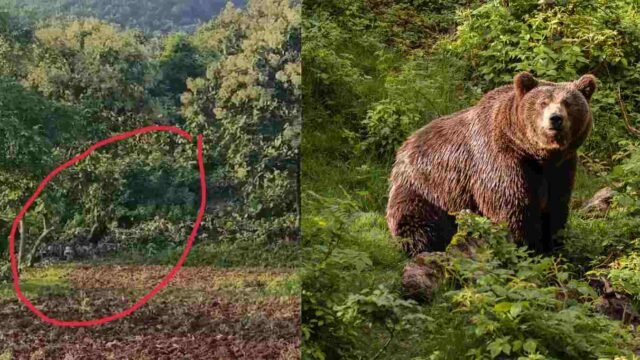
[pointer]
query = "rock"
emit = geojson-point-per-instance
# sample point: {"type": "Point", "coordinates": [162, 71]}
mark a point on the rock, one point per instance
{"type": "Point", "coordinates": [76, 250]}
{"type": "Point", "coordinates": [107, 248]}
{"type": "Point", "coordinates": [424, 274]}
{"type": "Point", "coordinates": [428, 270]}
{"type": "Point", "coordinates": [614, 304]}
{"type": "Point", "coordinates": [600, 202]}
{"type": "Point", "coordinates": [68, 253]}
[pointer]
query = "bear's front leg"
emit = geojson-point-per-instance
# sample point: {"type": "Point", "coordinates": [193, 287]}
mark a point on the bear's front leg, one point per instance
{"type": "Point", "coordinates": [561, 180]}
{"type": "Point", "coordinates": [524, 221]}
{"type": "Point", "coordinates": [526, 227]}
{"type": "Point", "coordinates": [510, 195]}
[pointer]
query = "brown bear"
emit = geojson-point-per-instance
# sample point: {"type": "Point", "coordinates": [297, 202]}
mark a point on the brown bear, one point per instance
{"type": "Point", "coordinates": [511, 158]}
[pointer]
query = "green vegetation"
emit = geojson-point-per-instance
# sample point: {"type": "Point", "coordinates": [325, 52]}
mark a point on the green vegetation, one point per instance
{"type": "Point", "coordinates": [67, 83]}
{"type": "Point", "coordinates": [36, 282]}
{"type": "Point", "coordinates": [151, 15]}
{"type": "Point", "coordinates": [107, 230]}
{"type": "Point", "coordinates": [374, 72]}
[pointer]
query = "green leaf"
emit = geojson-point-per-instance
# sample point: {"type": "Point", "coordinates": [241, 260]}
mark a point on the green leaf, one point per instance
{"type": "Point", "coordinates": [529, 346]}
{"type": "Point", "coordinates": [562, 276]}
{"type": "Point", "coordinates": [506, 348]}
{"type": "Point", "coordinates": [502, 307]}
{"type": "Point", "coordinates": [495, 348]}
{"type": "Point", "coordinates": [516, 309]}
{"type": "Point", "coordinates": [516, 345]}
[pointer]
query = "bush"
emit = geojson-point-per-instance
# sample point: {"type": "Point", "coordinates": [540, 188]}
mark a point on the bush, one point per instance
{"type": "Point", "coordinates": [556, 41]}
{"type": "Point", "coordinates": [520, 305]}
{"type": "Point", "coordinates": [337, 305]}
{"type": "Point", "coordinates": [236, 81]}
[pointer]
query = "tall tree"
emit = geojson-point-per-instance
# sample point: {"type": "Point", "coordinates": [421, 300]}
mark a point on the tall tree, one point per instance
{"type": "Point", "coordinates": [248, 105]}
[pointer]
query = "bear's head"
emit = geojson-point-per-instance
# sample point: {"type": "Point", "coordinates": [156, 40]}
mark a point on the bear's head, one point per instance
{"type": "Point", "coordinates": [553, 117]}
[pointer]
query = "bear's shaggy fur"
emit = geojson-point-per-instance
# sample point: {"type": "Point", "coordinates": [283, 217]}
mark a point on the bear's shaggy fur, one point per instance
{"type": "Point", "coordinates": [511, 157]}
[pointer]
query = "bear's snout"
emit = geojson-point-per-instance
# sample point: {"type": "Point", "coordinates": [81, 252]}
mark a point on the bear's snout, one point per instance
{"type": "Point", "coordinates": [556, 121]}
{"type": "Point", "coordinates": [555, 118]}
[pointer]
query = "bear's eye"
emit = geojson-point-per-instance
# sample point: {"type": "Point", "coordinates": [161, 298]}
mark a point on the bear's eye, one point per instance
{"type": "Point", "coordinates": [544, 104]}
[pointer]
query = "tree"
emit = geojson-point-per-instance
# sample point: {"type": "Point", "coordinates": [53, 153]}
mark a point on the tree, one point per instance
{"type": "Point", "coordinates": [248, 105]}
{"type": "Point", "coordinates": [179, 61]}
{"type": "Point", "coordinates": [91, 63]}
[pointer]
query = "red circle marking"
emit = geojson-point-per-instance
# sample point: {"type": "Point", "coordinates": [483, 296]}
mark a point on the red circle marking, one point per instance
{"type": "Point", "coordinates": [164, 282]}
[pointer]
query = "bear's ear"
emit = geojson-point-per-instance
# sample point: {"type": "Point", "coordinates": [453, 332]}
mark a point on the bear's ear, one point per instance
{"type": "Point", "coordinates": [523, 83]}
{"type": "Point", "coordinates": [586, 85]}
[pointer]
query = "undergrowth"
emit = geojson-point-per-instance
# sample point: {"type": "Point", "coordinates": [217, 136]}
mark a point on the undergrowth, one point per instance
{"type": "Point", "coordinates": [371, 78]}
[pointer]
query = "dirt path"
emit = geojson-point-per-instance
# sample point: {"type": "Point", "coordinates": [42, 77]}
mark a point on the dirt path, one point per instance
{"type": "Point", "coordinates": [203, 314]}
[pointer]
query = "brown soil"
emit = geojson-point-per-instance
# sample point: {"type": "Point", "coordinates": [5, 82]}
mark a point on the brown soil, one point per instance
{"type": "Point", "coordinates": [191, 319]}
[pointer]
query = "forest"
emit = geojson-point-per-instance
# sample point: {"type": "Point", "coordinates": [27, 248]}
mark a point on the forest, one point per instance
{"type": "Point", "coordinates": [150, 16]}
{"type": "Point", "coordinates": [67, 82]}
{"type": "Point", "coordinates": [377, 70]}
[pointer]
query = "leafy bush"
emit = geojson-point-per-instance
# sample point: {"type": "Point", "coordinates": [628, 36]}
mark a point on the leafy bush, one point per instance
{"type": "Point", "coordinates": [557, 41]}
{"type": "Point", "coordinates": [337, 305]}
{"type": "Point", "coordinates": [623, 275]}
{"type": "Point", "coordinates": [590, 241]}
{"type": "Point", "coordinates": [519, 305]}
{"type": "Point", "coordinates": [152, 16]}
{"type": "Point", "coordinates": [418, 92]}
{"type": "Point", "coordinates": [236, 80]}
{"type": "Point", "coordinates": [248, 106]}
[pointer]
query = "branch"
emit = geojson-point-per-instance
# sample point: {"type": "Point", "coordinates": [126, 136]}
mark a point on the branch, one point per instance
{"type": "Point", "coordinates": [21, 245]}
{"type": "Point", "coordinates": [93, 231]}
{"type": "Point", "coordinates": [35, 247]}
{"type": "Point", "coordinates": [386, 344]}
{"type": "Point", "coordinates": [625, 116]}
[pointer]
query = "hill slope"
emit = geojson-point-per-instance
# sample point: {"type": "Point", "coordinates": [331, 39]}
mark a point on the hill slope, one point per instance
{"type": "Point", "coordinates": [148, 15]}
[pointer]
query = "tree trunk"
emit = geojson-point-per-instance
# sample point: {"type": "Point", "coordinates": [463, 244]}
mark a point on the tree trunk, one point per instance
{"type": "Point", "coordinates": [35, 247]}
{"type": "Point", "coordinates": [21, 246]}
{"type": "Point", "coordinates": [298, 230]}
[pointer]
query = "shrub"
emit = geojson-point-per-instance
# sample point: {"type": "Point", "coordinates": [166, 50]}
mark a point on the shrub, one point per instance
{"type": "Point", "coordinates": [520, 305]}
{"type": "Point", "coordinates": [557, 41]}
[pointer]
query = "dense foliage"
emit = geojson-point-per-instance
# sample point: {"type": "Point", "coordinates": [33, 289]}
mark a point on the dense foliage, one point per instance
{"type": "Point", "coordinates": [150, 15]}
{"type": "Point", "coordinates": [377, 70]}
{"type": "Point", "coordinates": [235, 80]}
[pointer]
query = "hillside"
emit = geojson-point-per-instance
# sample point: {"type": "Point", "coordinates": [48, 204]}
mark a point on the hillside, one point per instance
{"type": "Point", "coordinates": [68, 83]}
{"type": "Point", "coordinates": [152, 16]}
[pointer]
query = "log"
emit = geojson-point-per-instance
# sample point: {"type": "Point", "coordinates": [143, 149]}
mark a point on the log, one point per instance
{"type": "Point", "coordinates": [600, 202]}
